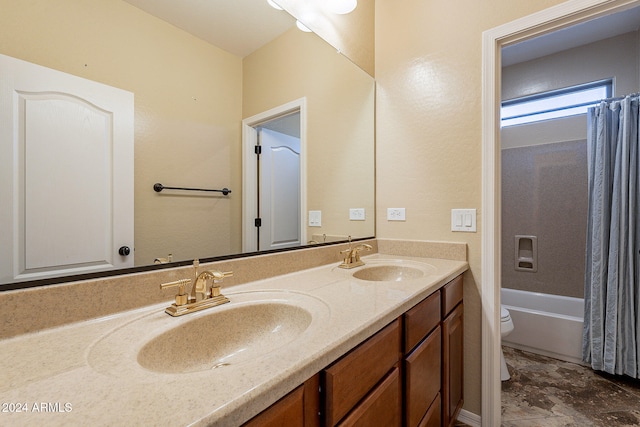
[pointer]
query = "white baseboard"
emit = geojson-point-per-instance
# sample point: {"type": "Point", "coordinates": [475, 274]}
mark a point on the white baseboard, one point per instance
{"type": "Point", "coordinates": [469, 418]}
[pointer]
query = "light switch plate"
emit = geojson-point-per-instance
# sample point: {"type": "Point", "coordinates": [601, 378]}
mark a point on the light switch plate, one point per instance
{"type": "Point", "coordinates": [463, 220]}
{"type": "Point", "coordinates": [315, 218]}
{"type": "Point", "coordinates": [396, 214]}
{"type": "Point", "coordinates": [356, 214]}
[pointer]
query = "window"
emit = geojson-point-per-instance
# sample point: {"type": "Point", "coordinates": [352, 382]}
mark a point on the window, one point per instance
{"type": "Point", "coordinates": [554, 104]}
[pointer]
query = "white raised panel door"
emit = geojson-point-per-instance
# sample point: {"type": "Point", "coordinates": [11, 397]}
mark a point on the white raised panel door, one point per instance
{"type": "Point", "coordinates": [279, 190]}
{"type": "Point", "coordinates": [66, 179]}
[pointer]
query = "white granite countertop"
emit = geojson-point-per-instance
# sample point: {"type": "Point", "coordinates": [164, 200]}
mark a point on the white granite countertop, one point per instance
{"type": "Point", "coordinates": [86, 373]}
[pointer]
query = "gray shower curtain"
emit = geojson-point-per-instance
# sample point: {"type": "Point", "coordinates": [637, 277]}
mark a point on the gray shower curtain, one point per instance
{"type": "Point", "coordinates": [611, 336]}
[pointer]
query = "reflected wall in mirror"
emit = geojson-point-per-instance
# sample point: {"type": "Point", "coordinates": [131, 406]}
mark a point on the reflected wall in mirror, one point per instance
{"type": "Point", "coordinates": [190, 99]}
{"type": "Point", "coordinates": [351, 33]}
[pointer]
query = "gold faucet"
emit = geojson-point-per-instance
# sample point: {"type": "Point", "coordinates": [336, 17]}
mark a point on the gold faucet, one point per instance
{"type": "Point", "coordinates": [201, 296]}
{"type": "Point", "coordinates": [352, 255]}
{"type": "Point", "coordinates": [168, 259]}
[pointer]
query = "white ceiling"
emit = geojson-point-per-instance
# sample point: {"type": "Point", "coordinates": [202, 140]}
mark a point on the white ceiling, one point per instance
{"type": "Point", "coordinates": [574, 36]}
{"type": "Point", "coordinates": [242, 26]}
{"type": "Point", "coordinates": [237, 26]}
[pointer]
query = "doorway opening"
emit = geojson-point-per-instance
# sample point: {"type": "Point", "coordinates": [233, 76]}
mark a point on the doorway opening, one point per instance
{"type": "Point", "coordinates": [544, 22]}
{"type": "Point", "coordinates": [274, 177]}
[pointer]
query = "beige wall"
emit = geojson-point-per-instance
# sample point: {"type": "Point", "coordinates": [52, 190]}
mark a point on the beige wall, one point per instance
{"type": "Point", "coordinates": [187, 109]}
{"type": "Point", "coordinates": [428, 139]}
{"type": "Point", "coordinates": [340, 128]}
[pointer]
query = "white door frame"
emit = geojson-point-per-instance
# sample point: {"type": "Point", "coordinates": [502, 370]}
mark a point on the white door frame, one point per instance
{"type": "Point", "coordinates": [249, 173]}
{"type": "Point", "coordinates": [551, 19]}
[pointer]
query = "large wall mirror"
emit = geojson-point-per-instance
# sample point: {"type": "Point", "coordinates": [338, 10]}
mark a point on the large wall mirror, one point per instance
{"type": "Point", "coordinates": [191, 96]}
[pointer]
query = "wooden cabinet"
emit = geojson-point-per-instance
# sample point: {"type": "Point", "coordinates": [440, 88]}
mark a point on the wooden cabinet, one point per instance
{"type": "Point", "coordinates": [433, 416]}
{"type": "Point", "coordinates": [422, 378]}
{"type": "Point", "coordinates": [420, 320]}
{"type": "Point", "coordinates": [452, 351]}
{"type": "Point", "coordinates": [434, 368]}
{"type": "Point", "coordinates": [354, 376]}
{"type": "Point", "coordinates": [381, 407]}
{"type": "Point", "coordinates": [300, 408]}
{"type": "Point", "coordinates": [422, 361]}
{"type": "Point", "coordinates": [410, 373]}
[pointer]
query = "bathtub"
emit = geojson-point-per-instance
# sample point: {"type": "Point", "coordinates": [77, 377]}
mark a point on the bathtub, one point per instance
{"type": "Point", "coordinates": [545, 324]}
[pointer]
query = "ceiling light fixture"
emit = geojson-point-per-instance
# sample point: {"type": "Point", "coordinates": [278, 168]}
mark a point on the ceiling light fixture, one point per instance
{"type": "Point", "coordinates": [274, 4]}
{"type": "Point", "coordinates": [341, 7]}
{"type": "Point", "coordinates": [302, 27]}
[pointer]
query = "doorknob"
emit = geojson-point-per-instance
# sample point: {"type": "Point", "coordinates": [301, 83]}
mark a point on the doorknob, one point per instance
{"type": "Point", "coordinates": [124, 250]}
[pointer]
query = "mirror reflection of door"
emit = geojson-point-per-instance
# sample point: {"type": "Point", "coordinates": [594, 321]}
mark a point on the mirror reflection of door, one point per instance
{"type": "Point", "coordinates": [274, 196]}
{"type": "Point", "coordinates": [278, 171]}
{"type": "Point", "coordinates": [66, 193]}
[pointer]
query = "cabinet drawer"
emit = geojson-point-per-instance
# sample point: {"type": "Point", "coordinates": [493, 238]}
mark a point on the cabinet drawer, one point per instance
{"type": "Point", "coordinates": [433, 418]}
{"type": "Point", "coordinates": [451, 295]}
{"type": "Point", "coordinates": [349, 379]}
{"type": "Point", "coordinates": [381, 407]}
{"type": "Point", "coordinates": [287, 411]}
{"type": "Point", "coordinates": [297, 409]}
{"type": "Point", "coordinates": [422, 377]}
{"type": "Point", "coordinates": [420, 320]}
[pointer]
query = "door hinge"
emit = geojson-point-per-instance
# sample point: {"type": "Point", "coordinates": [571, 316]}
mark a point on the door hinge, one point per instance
{"type": "Point", "coordinates": [258, 222]}
{"type": "Point", "coordinates": [258, 149]}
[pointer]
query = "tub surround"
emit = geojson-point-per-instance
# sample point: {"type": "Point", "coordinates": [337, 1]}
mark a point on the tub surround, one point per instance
{"type": "Point", "coordinates": [97, 392]}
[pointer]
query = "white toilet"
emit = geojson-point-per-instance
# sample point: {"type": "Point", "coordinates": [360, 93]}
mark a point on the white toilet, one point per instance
{"type": "Point", "coordinates": [506, 326]}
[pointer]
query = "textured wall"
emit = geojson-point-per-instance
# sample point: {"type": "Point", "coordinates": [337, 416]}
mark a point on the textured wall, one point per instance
{"type": "Point", "coordinates": [340, 123]}
{"type": "Point", "coordinates": [428, 139]}
{"type": "Point", "coordinates": [544, 194]}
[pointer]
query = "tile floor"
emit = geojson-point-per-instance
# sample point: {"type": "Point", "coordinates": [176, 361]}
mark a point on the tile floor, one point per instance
{"type": "Point", "coordinates": [546, 392]}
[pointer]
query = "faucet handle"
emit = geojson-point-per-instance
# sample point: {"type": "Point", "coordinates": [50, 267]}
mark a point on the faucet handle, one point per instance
{"type": "Point", "coordinates": [218, 276]}
{"type": "Point", "coordinates": [181, 298]}
{"type": "Point", "coordinates": [358, 248]}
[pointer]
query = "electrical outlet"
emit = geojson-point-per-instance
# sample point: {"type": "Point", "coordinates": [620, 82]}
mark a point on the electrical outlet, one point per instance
{"type": "Point", "coordinates": [356, 214]}
{"type": "Point", "coordinates": [315, 218]}
{"type": "Point", "coordinates": [395, 214]}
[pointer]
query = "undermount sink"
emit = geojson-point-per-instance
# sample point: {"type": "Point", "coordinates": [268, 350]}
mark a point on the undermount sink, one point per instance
{"type": "Point", "coordinates": [254, 326]}
{"type": "Point", "coordinates": [224, 338]}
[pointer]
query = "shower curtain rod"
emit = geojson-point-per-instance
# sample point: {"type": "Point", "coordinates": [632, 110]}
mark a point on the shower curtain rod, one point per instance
{"type": "Point", "coordinates": [618, 98]}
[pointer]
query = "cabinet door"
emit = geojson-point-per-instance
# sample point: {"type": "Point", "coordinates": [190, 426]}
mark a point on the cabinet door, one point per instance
{"type": "Point", "coordinates": [381, 407]}
{"type": "Point", "coordinates": [422, 378]}
{"type": "Point", "coordinates": [452, 359]}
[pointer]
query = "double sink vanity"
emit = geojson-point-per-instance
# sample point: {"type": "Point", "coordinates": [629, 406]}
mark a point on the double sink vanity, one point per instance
{"type": "Point", "coordinates": [319, 346]}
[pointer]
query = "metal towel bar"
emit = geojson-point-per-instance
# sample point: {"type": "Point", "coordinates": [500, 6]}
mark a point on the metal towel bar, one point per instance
{"type": "Point", "coordinates": [159, 187]}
